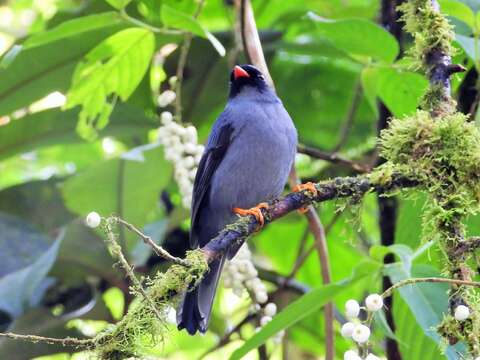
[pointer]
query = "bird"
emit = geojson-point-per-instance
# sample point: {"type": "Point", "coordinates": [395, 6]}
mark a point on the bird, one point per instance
{"type": "Point", "coordinates": [247, 159]}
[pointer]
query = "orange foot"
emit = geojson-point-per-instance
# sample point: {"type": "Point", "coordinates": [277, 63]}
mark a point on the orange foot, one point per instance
{"type": "Point", "coordinates": [310, 187]}
{"type": "Point", "coordinates": [255, 211]}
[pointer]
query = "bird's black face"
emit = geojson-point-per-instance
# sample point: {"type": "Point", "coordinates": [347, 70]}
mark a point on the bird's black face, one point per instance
{"type": "Point", "coordinates": [246, 75]}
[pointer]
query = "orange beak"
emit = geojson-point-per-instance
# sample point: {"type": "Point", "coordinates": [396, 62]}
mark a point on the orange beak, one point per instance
{"type": "Point", "coordinates": [239, 72]}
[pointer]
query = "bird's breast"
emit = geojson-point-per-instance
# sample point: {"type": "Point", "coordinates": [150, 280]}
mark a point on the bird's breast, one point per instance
{"type": "Point", "coordinates": [257, 163]}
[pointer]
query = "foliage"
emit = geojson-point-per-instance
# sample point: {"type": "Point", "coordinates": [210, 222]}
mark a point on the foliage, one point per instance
{"type": "Point", "coordinates": [95, 148]}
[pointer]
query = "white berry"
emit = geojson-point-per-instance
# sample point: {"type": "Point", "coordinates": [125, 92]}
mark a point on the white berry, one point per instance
{"type": "Point", "coordinates": [270, 309]}
{"type": "Point", "coordinates": [372, 357]}
{"type": "Point", "coordinates": [166, 117]}
{"type": "Point", "coordinates": [166, 98]}
{"type": "Point", "coordinates": [347, 329]}
{"type": "Point", "coordinates": [93, 219]}
{"type": "Point", "coordinates": [261, 297]}
{"type": "Point", "coordinates": [462, 312]}
{"type": "Point", "coordinates": [265, 320]}
{"type": "Point", "coordinates": [352, 308]}
{"type": "Point", "coordinates": [351, 355]}
{"type": "Point", "coordinates": [374, 302]}
{"type": "Point", "coordinates": [361, 333]}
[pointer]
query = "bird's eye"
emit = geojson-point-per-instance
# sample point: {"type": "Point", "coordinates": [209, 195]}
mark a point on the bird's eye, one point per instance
{"type": "Point", "coordinates": [261, 77]}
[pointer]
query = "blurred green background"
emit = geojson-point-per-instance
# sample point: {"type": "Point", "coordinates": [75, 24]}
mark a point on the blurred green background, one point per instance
{"type": "Point", "coordinates": [332, 63]}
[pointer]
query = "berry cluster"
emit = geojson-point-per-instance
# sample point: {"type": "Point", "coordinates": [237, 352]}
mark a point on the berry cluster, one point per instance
{"type": "Point", "coordinates": [355, 329]}
{"type": "Point", "coordinates": [239, 275]}
{"type": "Point", "coordinates": [181, 148]}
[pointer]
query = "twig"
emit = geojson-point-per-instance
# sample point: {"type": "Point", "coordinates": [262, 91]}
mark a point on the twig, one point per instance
{"type": "Point", "coordinates": [332, 157]}
{"type": "Point", "coordinates": [182, 61]}
{"type": "Point", "coordinates": [348, 122]}
{"type": "Point", "coordinates": [251, 39]}
{"type": "Point", "coordinates": [84, 344]}
{"type": "Point", "coordinates": [405, 282]}
{"type": "Point", "coordinates": [468, 246]}
{"type": "Point", "coordinates": [304, 256]}
{"type": "Point", "coordinates": [144, 25]}
{"type": "Point", "coordinates": [116, 251]}
{"type": "Point", "coordinates": [336, 188]}
{"type": "Point", "coordinates": [160, 251]}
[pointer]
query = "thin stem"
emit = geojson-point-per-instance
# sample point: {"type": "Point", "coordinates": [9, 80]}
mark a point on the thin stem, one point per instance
{"type": "Point", "coordinates": [144, 25]}
{"type": "Point", "coordinates": [116, 251]}
{"type": "Point", "coordinates": [182, 61]}
{"type": "Point", "coordinates": [405, 282]}
{"type": "Point", "coordinates": [84, 344]}
{"type": "Point", "coordinates": [349, 120]}
{"type": "Point", "coordinates": [160, 251]}
{"type": "Point", "coordinates": [333, 158]}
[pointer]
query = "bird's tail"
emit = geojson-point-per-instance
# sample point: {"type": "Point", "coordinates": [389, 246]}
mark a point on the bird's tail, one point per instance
{"type": "Point", "coordinates": [196, 307]}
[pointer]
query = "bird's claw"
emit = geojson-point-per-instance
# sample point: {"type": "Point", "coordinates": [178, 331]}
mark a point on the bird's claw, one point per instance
{"type": "Point", "coordinates": [310, 187]}
{"type": "Point", "coordinates": [255, 211]}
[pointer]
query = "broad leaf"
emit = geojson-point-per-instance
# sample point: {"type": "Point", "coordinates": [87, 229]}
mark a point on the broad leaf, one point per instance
{"type": "Point", "coordinates": [358, 37]}
{"type": "Point", "coordinates": [459, 10]}
{"type": "Point", "coordinates": [177, 19]}
{"type": "Point", "coordinates": [73, 28]}
{"type": "Point", "coordinates": [114, 67]}
{"type": "Point", "coordinates": [55, 127]}
{"type": "Point", "coordinates": [25, 260]}
{"type": "Point", "coordinates": [118, 4]}
{"type": "Point", "coordinates": [47, 73]}
{"type": "Point", "coordinates": [299, 309]}
{"type": "Point", "coordinates": [427, 301]}
{"type": "Point", "coordinates": [128, 188]}
{"type": "Point", "coordinates": [468, 44]}
{"type": "Point", "coordinates": [401, 91]}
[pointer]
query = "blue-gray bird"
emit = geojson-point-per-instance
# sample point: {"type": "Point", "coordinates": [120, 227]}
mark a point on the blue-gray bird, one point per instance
{"type": "Point", "coordinates": [247, 159]}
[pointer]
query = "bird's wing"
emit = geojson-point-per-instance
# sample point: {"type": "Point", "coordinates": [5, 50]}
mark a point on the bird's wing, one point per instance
{"type": "Point", "coordinates": [217, 146]}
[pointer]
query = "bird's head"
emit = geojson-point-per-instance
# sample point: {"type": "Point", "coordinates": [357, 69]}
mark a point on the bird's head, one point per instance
{"type": "Point", "coordinates": [246, 76]}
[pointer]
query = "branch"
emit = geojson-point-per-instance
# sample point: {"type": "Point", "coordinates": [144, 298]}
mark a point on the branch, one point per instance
{"type": "Point", "coordinates": [333, 158]}
{"type": "Point", "coordinates": [160, 251]}
{"type": "Point", "coordinates": [338, 188]}
{"type": "Point", "coordinates": [79, 343]}
{"type": "Point", "coordinates": [405, 282]}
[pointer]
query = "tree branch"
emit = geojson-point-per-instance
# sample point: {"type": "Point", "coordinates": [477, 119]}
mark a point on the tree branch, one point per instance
{"type": "Point", "coordinates": [333, 158]}
{"type": "Point", "coordinates": [337, 188]}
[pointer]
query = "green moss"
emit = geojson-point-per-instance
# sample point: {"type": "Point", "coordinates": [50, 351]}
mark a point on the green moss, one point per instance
{"type": "Point", "coordinates": [430, 30]}
{"type": "Point", "coordinates": [444, 154]}
{"type": "Point", "coordinates": [141, 328]}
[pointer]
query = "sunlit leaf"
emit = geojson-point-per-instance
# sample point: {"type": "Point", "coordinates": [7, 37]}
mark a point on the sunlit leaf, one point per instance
{"type": "Point", "coordinates": [113, 68]}
{"type": "Point", "coordinates": [459, 10]}
{"type": "Point", "coordinates": [177, 19]}
{"type": "Point", "coordinates": [358, 37]}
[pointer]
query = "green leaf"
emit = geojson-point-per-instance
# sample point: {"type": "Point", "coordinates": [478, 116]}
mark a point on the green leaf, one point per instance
{"type": "Point", "coordinates": [358, 37]}
{"type": "Point", "coordinates": [299, 309]}
{"type": "Point", "coordinates": [401, 91]}
{"type": "Point", "coordinates": [118, 4]}
{"type": "Point", "coordinates": [177, 19]}
{"type": "Point", "coordinates": [413, 343]}
{"type": "Point", "coordinates": [427, 301]}
{"type": "Point", "coordinates": [74, 27]}
{"type": "Point", "coordinates": [468, 44]}
{"type": "Point", "coordinates": [25, 260]}
{"type": "Point", "coordinates": [36, 71]}
{"type": "Point", "coordinates": [459, 10]}
{"type": "Point", "coordinates": [128, 188]}
{"type": "Point", "coordinates": [54, 127]}
{"type": "Point", "coordinates": [369, 81]}
{"type": "Point", "coordinates": [115, 66]}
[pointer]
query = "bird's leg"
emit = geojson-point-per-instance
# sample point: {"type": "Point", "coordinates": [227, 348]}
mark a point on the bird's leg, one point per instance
{"type": "Point", "coordinates": [255, 211]}
{"type": "Point", "coordinates": [310, 187]}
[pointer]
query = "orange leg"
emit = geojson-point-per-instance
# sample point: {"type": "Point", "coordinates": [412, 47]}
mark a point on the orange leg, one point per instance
{"type": "Point", "coordinates": [310, 187]}
{"type": "Point", "coordinates": [255, 211]}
